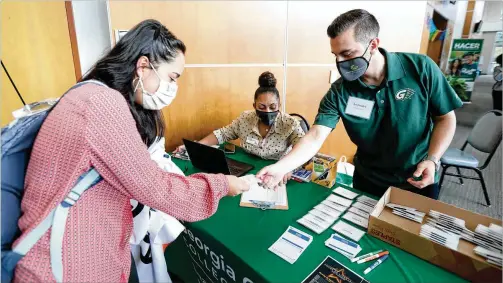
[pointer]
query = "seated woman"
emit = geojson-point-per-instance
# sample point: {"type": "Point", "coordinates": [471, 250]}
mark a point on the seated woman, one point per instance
{"type": "Point", "coordinates": [265, 132]}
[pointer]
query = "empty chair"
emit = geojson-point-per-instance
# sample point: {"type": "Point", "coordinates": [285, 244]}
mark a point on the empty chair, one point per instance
{"type": "Point", "coordinates": [485, 137]}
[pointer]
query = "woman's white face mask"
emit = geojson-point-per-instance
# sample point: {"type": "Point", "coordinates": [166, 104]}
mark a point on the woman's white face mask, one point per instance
{"type": "Point", "coordinates": [162, 97]}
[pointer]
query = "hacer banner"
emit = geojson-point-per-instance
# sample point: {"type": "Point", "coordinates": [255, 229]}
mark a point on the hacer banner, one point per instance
{"type": "Point", "coordinates": [463, 64]}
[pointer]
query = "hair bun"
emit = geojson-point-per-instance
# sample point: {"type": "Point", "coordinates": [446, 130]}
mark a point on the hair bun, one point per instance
{"type": "Point", "coordinates": [267, 79]}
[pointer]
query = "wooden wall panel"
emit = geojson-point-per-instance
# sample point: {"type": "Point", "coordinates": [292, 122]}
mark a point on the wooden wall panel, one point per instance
{"type": "Point", "coordinates": [215, 32]}
{"type": "Point", "coordinates": [308, 22]}
{"type": "Point", "coordinates": [468, 19]}
{"type": "Point", "coordinates": [36, 50]}
{"type": "Point", "coordinates": [209, 98]}
{"type": "Point", "coordinates": [306, 86]}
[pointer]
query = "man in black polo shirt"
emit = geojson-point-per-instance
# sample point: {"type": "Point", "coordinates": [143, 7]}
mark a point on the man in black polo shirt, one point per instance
{"type": "Point", "coordinates": [396, 107]}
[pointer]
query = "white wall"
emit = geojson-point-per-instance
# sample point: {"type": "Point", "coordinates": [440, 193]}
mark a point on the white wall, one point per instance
{"type": "Point", "coordinates": [459, 21]}
{"type": "Point", "coordinates": [92, 30]}
{"type": "Point", "coordinates": [478, 12]}
{"type": "Point", "coordinates": [487, 51]}
{"type": "Point", "coordinates": [444, 8]}
{"type": "Point", "coordinates": [492, 10]}
{"type": "Point", "coordinates": [492, 16]}
{"type": "Point", "coordinates": [492, 22]}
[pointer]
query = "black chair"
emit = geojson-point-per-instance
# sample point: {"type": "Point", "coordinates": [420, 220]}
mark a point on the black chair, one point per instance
{"type": "Point", "coordinates": [303, 122]}
{"type": "Point", "coordinates": [485, 137]}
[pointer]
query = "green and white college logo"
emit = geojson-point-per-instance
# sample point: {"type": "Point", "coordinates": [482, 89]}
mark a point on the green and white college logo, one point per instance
{"type": "Point", "coordinates": [354, 67]}
{"type": "Point", "coordinates": [404, 94]}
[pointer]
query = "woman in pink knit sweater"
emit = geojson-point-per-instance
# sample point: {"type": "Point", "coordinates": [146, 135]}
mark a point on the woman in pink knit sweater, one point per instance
{"type": "Point", "coordinates": [110, 129]}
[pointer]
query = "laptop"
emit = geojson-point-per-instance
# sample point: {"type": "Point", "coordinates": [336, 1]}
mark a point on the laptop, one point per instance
{"type": "Point", "coordinates": [213, 160]}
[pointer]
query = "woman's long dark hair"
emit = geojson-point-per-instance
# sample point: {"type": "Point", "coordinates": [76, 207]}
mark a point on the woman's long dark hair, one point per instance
{"type": "Point", "coordinates": [118, 69]}
{"type": "Point", "coordinates": [458, 68]}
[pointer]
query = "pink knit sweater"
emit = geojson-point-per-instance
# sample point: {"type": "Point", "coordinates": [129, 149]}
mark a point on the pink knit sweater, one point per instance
{"type": "Point", "coordinates": [92, 126]}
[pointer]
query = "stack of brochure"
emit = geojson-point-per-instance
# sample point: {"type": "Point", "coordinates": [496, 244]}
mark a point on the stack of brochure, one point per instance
{"type": "Point", "coordinates": [343, 246]}
{"type": "Point", "coordinates": [443, 229]}
{"type": "Point", "coordinates": [324, 214]}
{"type": "Point", "coordinates": [407, 212]}
{"type": "Point", "coordinates": [359, 212]}
{"type": "Point", "coordinates": [440, 235]}
{"type": "Point", "coordinates": [489, 243]}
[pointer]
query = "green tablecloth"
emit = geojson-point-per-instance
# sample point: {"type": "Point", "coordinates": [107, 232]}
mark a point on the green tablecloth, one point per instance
{"type": "Point", "coordinates": [232, 245]}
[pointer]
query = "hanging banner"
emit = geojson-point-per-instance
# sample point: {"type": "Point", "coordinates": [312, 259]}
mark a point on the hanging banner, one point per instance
{"type": "Point", "coordinates": [463, 65]}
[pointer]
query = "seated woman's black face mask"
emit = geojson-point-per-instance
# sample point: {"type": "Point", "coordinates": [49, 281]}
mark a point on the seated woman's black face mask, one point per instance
{"type": "Point", "coordinates": [267, 118]}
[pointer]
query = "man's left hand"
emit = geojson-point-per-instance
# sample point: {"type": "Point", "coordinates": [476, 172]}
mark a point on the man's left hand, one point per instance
{"type": "Point", "coordinates": [426, 170]}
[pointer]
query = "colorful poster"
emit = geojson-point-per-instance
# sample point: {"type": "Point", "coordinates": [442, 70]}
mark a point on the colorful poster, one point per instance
{"type": "Point", "coordinates": [332, 271]}
{"type": "Point", "coordinates": [463, 66]}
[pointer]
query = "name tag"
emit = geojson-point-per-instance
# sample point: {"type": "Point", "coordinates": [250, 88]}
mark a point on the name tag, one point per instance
{"type": "Point", "coordinates": [252, 140]}
{"type": "Point", "coordinates": [359, 107]}
{"type": "Point", "coordinates": [358, 220]}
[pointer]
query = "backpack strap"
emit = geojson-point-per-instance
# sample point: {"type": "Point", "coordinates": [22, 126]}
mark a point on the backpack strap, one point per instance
{"type": "Point", "coordinates": [25, 245]}
{"type": "Point", "coordinates": [59, 222]}
{"type": "Point", "coordinates": [57, 219]}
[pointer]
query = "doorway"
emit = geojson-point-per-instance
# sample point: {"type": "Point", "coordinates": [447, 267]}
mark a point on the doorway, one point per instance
{"type": "Point", "coordinates": [435, 47]}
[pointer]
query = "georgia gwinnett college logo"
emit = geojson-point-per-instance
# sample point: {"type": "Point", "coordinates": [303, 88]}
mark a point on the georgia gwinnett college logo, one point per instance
{"type": "Point", "coordinates": [404, 94]}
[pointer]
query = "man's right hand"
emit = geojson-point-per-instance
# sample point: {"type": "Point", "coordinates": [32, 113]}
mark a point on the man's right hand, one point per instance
{"type": "Point", "coordinates": [236, 186]}
{"type": "Point", "coordinates": [272, 175]}
{"type": "Point", "coordinates": [306, 148]}
{"type": "Point", "coordinates": [180, 148]}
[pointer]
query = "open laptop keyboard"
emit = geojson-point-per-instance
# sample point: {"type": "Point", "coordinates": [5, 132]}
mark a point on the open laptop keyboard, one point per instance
{"type": "Point", "coordinates": [234, 169]}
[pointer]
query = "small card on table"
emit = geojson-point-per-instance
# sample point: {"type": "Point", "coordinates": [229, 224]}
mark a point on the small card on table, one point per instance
{"type": "Point", "coordinates": [358, 220]}
{"type": "Point", "coordinates": [340, 200]}
{"type": "Point", "coordinates": [345, 193]}
{"type": "Point", "coordinates": [333, 205]}
{"type": "Point", "coordinates": [359, 212]}
{"type": "Point", "coordinates": [309, 221]}
{"type": "Point", "coordinates": [328, 210]}
{"type": "Point", "coordinates": [364, 207]}
{"type": "Point", "coordinates": [347, 230]}
{"type": "Point", "coordinates": [366, 200]}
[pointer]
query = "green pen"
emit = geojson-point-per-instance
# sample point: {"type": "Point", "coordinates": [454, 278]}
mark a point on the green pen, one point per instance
{"type": "Point", "coordinates": [365, 255]}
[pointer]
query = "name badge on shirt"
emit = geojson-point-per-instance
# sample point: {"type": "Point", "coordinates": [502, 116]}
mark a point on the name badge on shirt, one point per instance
{"type": "Point", "coordinates": [252, 140]}
{"type": "Point", "coordinates": [359, 107]}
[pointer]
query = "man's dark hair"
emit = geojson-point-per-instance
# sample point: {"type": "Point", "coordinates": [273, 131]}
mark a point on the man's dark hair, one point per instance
{"type": "Point", "coordinates": [365, 25]}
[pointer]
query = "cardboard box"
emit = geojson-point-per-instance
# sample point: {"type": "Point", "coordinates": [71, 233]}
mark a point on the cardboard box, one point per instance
{"type": "Point", "coordinates": [404, 234]}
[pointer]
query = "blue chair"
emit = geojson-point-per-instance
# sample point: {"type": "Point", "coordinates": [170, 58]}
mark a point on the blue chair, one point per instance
{"type": "Point", "coordinates": [485, 137]}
